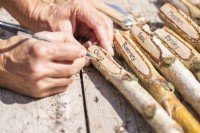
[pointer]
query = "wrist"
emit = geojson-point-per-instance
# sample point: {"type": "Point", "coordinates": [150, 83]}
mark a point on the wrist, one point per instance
{"type": "Point", "coordinates": [2, 62]}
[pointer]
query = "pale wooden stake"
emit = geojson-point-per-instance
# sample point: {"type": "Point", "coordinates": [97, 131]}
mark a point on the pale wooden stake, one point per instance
{"type": "Point", "coordinates": [181, 49]}
{"type": "Point", "coordinates": [181, 24]}
{"type": "Point", "coordinates": [195, 2]}
{"type": "Point", "coordinates": [154, 83]}
{"type": "Point", "coordinates": [139, 98]}
{"type": "Point", "coordinates": [170, 67]}
{"type": "Point", "coordinates": [188, 8]}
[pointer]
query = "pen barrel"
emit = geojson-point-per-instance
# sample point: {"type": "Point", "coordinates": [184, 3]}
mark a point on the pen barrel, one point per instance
{"type": "Point", "coordinates": [13, 28]}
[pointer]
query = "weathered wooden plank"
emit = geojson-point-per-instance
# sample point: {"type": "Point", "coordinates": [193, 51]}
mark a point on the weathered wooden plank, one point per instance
{"type": "Point", "coordinates": [139, 8]}
{"type": "Point", "coordinates": [59, 113]}
{"type": "Point", "coordinates": [108, 111]}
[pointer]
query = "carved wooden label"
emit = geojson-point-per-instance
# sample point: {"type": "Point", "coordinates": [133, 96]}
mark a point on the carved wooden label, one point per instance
{"type": "Point", "coordinates": [176, 17]}
{"type": "Point", "coordinates": [105, 61]}
{"type": "Point", "coordinates": [146, 43]}
{"type": "Point", "coordinates": [132, 56]}
{"type": "Point", "coordinates": [176, 45]}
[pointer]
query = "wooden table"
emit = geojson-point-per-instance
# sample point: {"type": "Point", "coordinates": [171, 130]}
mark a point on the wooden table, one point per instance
{"type": "Point", "coordinates": [91, 104]}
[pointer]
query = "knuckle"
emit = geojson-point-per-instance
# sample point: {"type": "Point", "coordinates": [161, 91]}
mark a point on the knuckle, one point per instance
{"type": "Point", "coordinates": [36, 95]}
{"type": "Point", "coordinates": [37, 51]}
{"type": "Point", "coordinates": [70, 80]}
{"type": "Point", "coordinates": [63, 89]}
{"type": "Point", "coordinates": [38, 86]}
{"type": "Point", "coordinates": [72, 71]}
{"type": "Point", "coordinates": [36, 71]}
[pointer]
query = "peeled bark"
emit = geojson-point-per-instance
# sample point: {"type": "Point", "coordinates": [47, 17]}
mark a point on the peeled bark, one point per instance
{"type": "Point", "coordinates": [181, 49]}
{"type": "Point", "coordinates": [181, 24]}
{"type": "Point", "coordinates": [154, 83]}
{"type": "Point", "coordinates": [188, 8]}
{"type": "Point", "coordinates": [170, 67]}
{"type": "Point", "coordinates": [139, 98]}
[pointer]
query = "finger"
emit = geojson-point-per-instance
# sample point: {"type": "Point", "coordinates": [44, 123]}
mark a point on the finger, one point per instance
{"type": "Point", "coordinates": [48, 83]}
{"type": "Point", "coordinates": [52, 91]}
{"type": "Point", "coordinates": [88, 62]}
{"type": "Point", "coordinates": [62, 51]}
{"type": "Point", "coordinates": [101, 25]}
{"type": "Point", "coordinates": [105, 35]}
{"type": "Point", "coordinates": [110, 32]}
{"type": "Point", "coordinates": [59, 70]}
{"type": "Point", "coordinates": [92, 39]}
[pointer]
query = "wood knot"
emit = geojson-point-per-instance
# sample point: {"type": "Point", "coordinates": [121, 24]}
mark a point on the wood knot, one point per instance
{"type": "Point", "coordinates": [170, 87]}
{"type": "Point", "coordinates": [168, 61]}
{"type": "Point", "coordinates": [197, 65]}
{"type": "Point", "coordinates": [129, 77]}
{"type": "Point", "coordinates": [149, 111]}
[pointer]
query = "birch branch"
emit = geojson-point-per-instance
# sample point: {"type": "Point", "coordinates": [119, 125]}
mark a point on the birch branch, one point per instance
{"type": "Point", "coordinates": [139, 98]}
{"type": "Point", "coordinates": [195, 2]}
{"type": "Point", "coordinates": [181, 24]}
{"type": "Point", "coordinates": [170, 67]}
{"type": "Point", "coordinates": [154, 83]}
{"type": "Point", "coordinates": [181, 49]}
{"type": "Point", "coordinates": [188, 8]}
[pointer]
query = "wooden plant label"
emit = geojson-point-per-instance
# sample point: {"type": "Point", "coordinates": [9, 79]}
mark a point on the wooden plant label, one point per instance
{"type": "Point", "coordinates": [138, 97]}
{"type": "Point", "coordinates": [146, 43]}
{"type": "Point", "coordinates": [174, 44]}
{"type": "Point", "coordinates": [108, 64]}
{"type": "Point", "coordinates": [132, 56]}
{"type": "Point", "coordinates": [180, 21]}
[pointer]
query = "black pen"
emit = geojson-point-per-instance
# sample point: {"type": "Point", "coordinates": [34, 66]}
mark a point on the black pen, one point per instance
{"type": "Point", "coordinates": [16, 29]}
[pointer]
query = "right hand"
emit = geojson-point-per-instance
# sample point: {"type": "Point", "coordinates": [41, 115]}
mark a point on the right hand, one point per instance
{"type": "Point", "coordinates": [39, 68]}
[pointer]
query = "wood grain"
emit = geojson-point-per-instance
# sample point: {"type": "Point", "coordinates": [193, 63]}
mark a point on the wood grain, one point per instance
{"type": "Point", "coordinates": [59, 113]}
{"type": "Point", "coordinates": [107, 109]}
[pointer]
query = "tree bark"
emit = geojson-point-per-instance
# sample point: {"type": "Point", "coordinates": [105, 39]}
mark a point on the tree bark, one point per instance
{"type": "Point", "coordinates": [181, 49]}
{"type": "Point", "coordinates": [170, 67]}
{"type": "Point", "coordinates": [154, 83]}
{"type": "Point", "coordinates": [139, 98]}
{"type": "Point", "coordinates": [181, 24]}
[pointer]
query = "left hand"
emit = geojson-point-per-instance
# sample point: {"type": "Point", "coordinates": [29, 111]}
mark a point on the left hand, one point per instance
{"type": "Point", "coordinates": [77, 17]}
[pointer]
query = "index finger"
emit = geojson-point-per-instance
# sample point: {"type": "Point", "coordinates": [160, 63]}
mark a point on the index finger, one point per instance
{"type": "Point", "coordinates": [59, 51]}
{"type": "Point", "coordinates": [65, 51]}
{"type": "Point", "coordinates": [101, 24]}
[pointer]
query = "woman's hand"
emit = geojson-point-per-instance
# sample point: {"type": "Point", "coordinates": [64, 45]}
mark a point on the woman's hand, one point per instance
{"type": "Point", "coordinates": [39, 68]}
{"type": "Point", "coordinates": [78, 17]}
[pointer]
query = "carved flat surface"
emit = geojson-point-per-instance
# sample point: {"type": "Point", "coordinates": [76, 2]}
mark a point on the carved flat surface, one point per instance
{"type": "Point", "coordinates": [106, 110]}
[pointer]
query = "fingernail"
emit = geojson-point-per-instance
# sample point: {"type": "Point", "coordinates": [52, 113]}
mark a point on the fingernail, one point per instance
{"type": "Point", "coordinates": [83, 52]}
{"type": "Point", "coordinates": [111, 51]}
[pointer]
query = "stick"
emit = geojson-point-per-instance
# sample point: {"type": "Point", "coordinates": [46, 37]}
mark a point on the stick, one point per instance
{"type": "Point", "coordinates": [119, 18]}
{"type": "Point", "coordinates": [154, 83]}
{"type": "Point", "coordinates": [181, 49]}
{"type": "Point", "coordinates": [195, 2]}
{"type": "Point", "coordinates": [139, 98]}
{"type": "Point", "coordinates": [181, 24]}
{"type": "Point", "coordinates": [188, 8]}
{"type": "Point", "coordinates": [170, 67]}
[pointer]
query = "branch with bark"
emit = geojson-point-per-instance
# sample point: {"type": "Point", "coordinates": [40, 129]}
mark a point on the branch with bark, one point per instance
{"type": "Point", "coordinates": [188, 8]}
{"type": "Point", "coordinates": [178, 21]}
{"type": "Point", "coordinates": [181, 49]}
{"type": "Point", "coordinates": [168, 65]}
{"type": "Point", "coordinates": [139, 98]}
{"type": "Point", "coordinates": [154, 83]}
